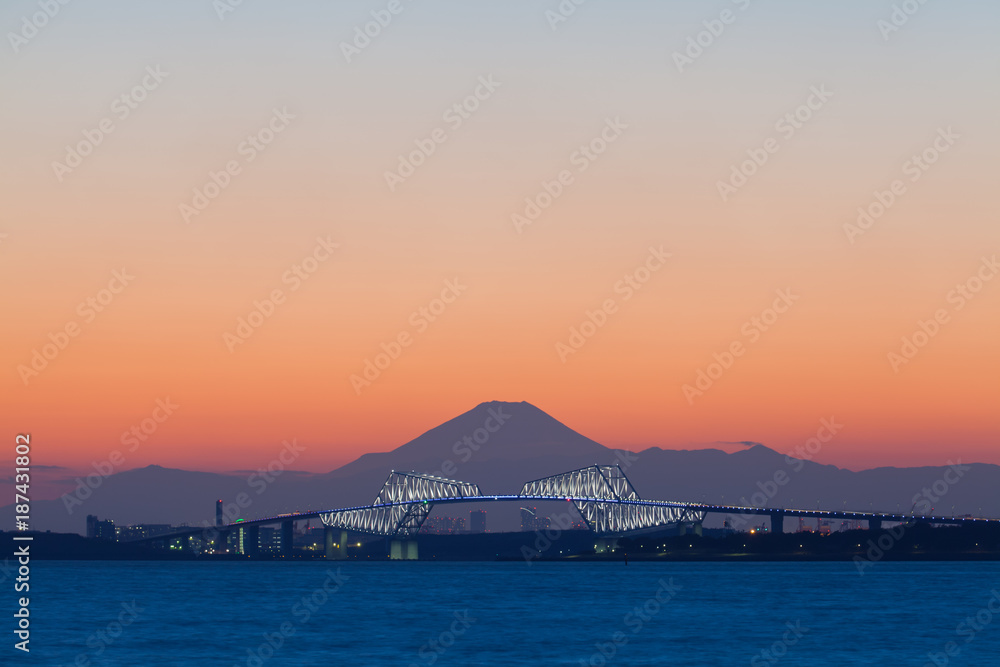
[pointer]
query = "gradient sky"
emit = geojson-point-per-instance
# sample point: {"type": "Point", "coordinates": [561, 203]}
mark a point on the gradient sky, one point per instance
{"type": "Point", "coordinates": [655, 185]}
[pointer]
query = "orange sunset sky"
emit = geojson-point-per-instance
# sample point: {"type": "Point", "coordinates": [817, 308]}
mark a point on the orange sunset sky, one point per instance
{"type": "Point", "coordinates": [632, 140]}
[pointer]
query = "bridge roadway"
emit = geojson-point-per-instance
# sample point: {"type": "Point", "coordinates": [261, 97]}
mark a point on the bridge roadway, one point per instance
{"type": "Point", "coordinates": [602, 495]}
{"type": "Point", "coordinates": [777, 514]}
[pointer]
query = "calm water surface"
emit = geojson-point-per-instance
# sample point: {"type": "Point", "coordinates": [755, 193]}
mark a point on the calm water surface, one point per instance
{"type": "Point", "coordinates": [427, 613]}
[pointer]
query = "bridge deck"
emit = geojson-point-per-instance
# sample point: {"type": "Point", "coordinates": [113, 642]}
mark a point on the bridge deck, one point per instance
{"type": "Point", "coordinates": [695, 507]}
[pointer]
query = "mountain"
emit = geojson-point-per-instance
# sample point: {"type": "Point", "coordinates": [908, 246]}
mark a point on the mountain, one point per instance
{"type": "Point", "coordinates": [500, 446]}
{"type": "Point", "coordinates": [495, 445]}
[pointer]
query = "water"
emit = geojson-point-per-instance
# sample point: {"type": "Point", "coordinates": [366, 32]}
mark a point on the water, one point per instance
{"type": "Point", "coordinates": [424, 613]}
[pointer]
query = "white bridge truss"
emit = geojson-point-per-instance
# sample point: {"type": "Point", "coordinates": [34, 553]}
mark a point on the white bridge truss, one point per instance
{"type": "Point", "coordinates": [603, 495]}
{"type": "Point", "coordinates": [599, 482]}
{"type": "Point", "coordinates": [401, 506]}
{"type": "Point", "coordinates": [608, 502]}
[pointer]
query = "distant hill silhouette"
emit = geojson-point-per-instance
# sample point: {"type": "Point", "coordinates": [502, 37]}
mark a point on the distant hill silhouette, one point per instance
{"type": "Point", "coordinates": [501, 445]}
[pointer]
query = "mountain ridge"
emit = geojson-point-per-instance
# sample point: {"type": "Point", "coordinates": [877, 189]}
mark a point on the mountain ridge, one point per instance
{"type": "Point", "coordinates": [500, 446]}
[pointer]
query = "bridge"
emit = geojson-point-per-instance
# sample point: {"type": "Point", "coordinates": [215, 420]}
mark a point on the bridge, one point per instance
{"type": "Point", "coordinates": [602, 495]}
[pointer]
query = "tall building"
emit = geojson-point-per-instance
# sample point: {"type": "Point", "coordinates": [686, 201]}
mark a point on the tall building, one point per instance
{"type": "Point", "coordinates": [270, 540]}
{"type": "Point", "coordinates": [101, 530]}
{"type": "Point", "coordinates": [443, 525]}
{"type": "Point", "coordinates": [477, 521]}
{"type": "Point", "coordinates": [243, 544]}
{"type": "Point", "coordinates": [218, 512]}
{"type": "Point", "coordinates": [529, 519]}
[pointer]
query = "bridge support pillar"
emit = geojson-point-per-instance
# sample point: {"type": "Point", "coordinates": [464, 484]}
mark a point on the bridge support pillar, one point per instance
{"type": "Point", "coordinates": [606, 545]}
{"type": "Point", "coordinates": [874, 524]}
{"type": "Point", "coordinates": [251, 540]}
{"type": "Point", "coordinates": [335, 550]}
{"type": "Point", "coordinates": [220, 544]}
{"type": "Point", "coordinates": [287, 537]}
{"type": "Point", "coordinates": [698, 530]}
{"type": "Point", "coordinates": [403, 550]}
{"type": "Point", "coordinates": [777, 523]}
{"type": "Point", "coordinates": [682, 529]}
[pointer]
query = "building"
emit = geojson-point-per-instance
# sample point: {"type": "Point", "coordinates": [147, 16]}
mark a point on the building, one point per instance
{"type": "Point", "coordinates": [101, 530]}
{"type": "Point", "coordinates": [443, 525]}
{"type": "Point", "coordinates": [142, 530]}
{"type": "Point", "coordinates": [242, 540]}
{"type": "Point", "coordinates": [314, 539]}
{"type": "Point", "coordinates": [270, 540]}
{"type": "Point", "coordinates": [477, 521]}
{"type": "Point", "coordinates": [529, 519]}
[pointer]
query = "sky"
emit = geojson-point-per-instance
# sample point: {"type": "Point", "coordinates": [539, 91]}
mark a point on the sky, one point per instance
{"type": "Point", "coordinates": [229, 225]}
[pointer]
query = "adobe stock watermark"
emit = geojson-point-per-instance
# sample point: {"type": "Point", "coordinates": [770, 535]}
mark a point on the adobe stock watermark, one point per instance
{"type": "Point", "coordinates": [923, 502]}
{"type": "Point", "coordinates": [223, 7]}
{"type": "Point", "coordinates": [7, 570]}
{"type": "Point", "coordinates": [98, 642]}
{"type": "Point", "coordinates": [563, 11]}
{"type": "Point", "coordinates": [967, 629]}
{"type": "Point", "coordinates": [786, 126]}
{"type": "Point", "coordinates": [704, 39]}
{"type": "Point", "coordinates": [263, 477]}
{"type": "Point", "coordinates": [773, 654]}
{"type": "Point", "coordinates": [248, 150]}
{"type": "Point", "coordinates": [419, 320]}
{"type": "Point", "coordinates": [302, 612]}
{"type": "Point", "coordinates": [121, 108]}
{"type": "Point", "coordinates": [32, 25]}
{"type": "Point", "coordinates": [546, 538]}
{"type": "Point", "coordinates": [581, 158]}
{"type": "Point", "coordinates": [958, 297]}
{"type": "Point", "coordinates": [294, 277]}
{"type": "Point", "coordinates": [364, 34]}
{"type": "Point", "coordinates": [796, 461]}
{"type": "Point", "coordinates": [454, 116]}
{"type": "Point", "coordinates": [88, 309]}
{"type": "Point", "coordinates": [914, 167]}
{"type": "Point", "coordinates": [133, 438]}
{"type": "Point", "coordinates": [752, 329]}
{"type": "Point", "coordinates": [465, 448]}
{"type": "Point", "coordinates": [435, 647]}
{"type": "Point", "coordinates": [634, 621]}
{"type": "Point", "coordinates": [626, 287]}
{"type": "Point", "coordinates": [900, 16]}
{"type": "Point", "coordinates": [259, 481]}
